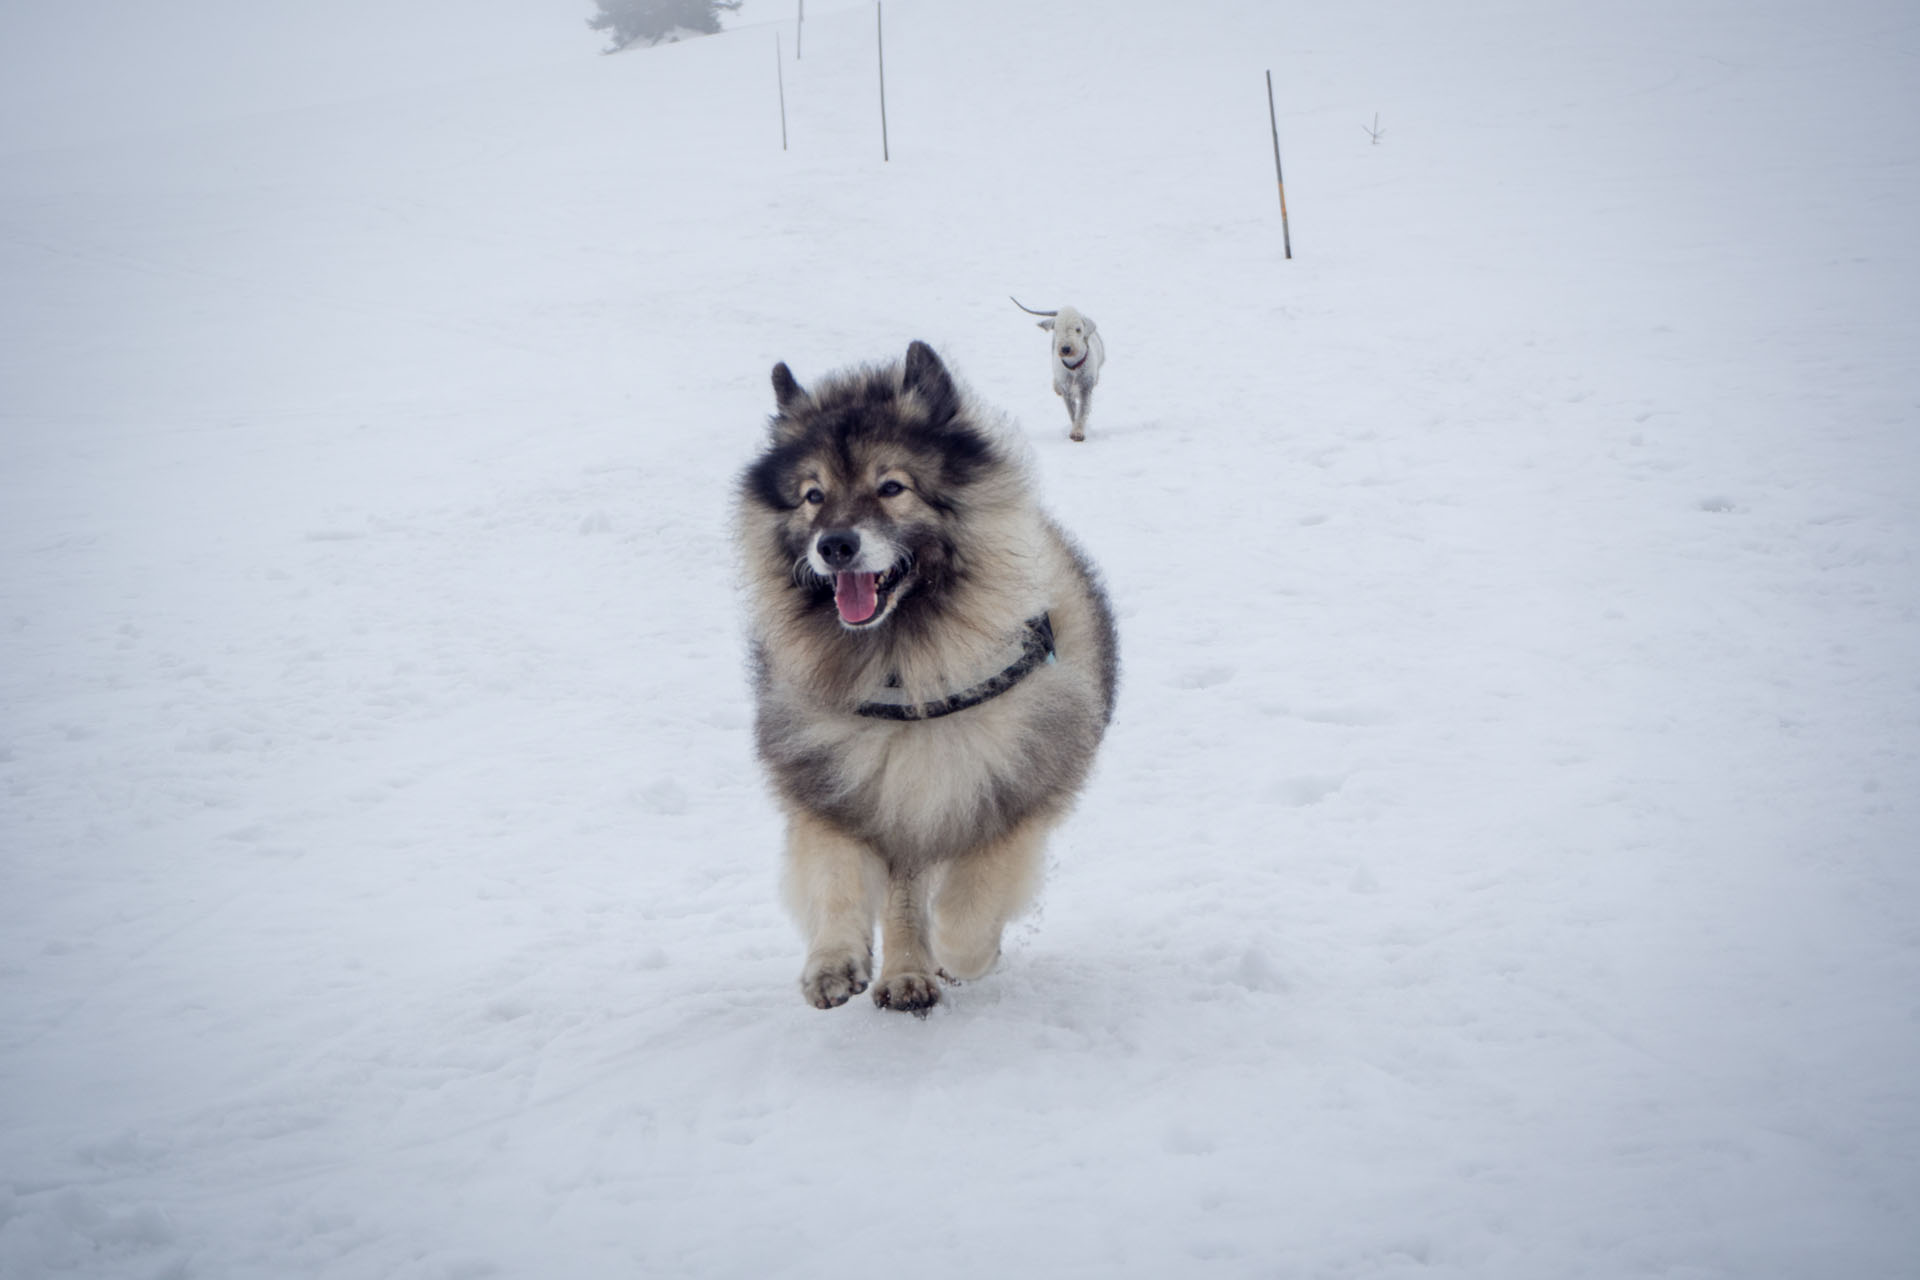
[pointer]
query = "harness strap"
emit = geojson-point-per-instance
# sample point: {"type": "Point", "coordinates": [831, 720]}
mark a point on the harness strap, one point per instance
{"type": "Point", "coordinates": [1037, 647]}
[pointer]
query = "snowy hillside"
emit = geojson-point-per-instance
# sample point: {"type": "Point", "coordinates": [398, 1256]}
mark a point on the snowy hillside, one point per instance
{"type": "Point", "coordinates": [1502, 863]}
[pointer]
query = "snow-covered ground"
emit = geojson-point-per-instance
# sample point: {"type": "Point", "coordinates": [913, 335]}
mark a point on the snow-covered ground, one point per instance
{"type": "Point", "coordinates": [1503, 863]}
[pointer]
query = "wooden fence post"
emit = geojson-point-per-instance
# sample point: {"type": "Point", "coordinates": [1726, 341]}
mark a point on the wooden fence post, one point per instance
{"type": "Point", "coordinates": [1286, 235]}
{"type": "Point", "coordinates": [780, 78]}
{"type": "Point", "coordinates": [880, 39]}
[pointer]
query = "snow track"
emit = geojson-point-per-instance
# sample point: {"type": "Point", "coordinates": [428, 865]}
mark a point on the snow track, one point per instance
{"type": "Point", "coordinates": [1501, 864]}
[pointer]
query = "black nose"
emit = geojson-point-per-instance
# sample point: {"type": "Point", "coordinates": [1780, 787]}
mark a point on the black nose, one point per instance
{"type": "Point", "coordinates": [838, 547]}
{"type": "Point", "coordinates": [1066, 351]}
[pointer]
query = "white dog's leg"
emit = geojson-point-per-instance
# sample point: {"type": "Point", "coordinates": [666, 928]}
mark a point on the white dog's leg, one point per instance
{"type": "Point", "coordinates": [834, 884]}
{"type": "Point", "coordinates": [1082, 406]}
{"type": "Point", "coordinates": [982, 891]}
{"type": "Point", "coordinates": [906, 966]}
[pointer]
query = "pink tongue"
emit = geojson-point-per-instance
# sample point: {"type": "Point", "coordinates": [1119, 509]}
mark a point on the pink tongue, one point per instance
{"type": "Point", "coordinates": [855, 595]}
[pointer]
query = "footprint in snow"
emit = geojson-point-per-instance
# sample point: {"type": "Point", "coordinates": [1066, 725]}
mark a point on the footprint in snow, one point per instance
{"type": "Point", "coordinates": [664, 796]}
{"type": "Point", "coordinates": [1298, 793]}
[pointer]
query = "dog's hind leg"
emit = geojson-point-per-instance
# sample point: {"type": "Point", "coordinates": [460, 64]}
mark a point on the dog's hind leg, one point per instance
{"type": "Point", "coordinates": [834, 884]}
{"type": "Point", "coordinates": [982, 891]}
{"type": "Point", "coordinates": [906, 964]}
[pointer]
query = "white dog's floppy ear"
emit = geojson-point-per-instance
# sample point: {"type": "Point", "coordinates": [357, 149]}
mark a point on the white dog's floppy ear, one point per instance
{"type": "Point", "coordinates": [1091, 326]}
{"type": "Point", "coordinates": [1047, 325]}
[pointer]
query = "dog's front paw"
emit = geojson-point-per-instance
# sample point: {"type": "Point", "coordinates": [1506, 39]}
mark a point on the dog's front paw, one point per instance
{"type": "Point", "coordinates": [832, 980]}
{"type": "Point", "coordinates": [913, 993]}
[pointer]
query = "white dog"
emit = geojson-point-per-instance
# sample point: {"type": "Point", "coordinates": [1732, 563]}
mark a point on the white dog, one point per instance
{"type": "Point", "coordinates": [1078, 353]}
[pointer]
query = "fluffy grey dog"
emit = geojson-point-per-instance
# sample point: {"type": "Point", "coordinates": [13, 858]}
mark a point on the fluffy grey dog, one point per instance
{"type": "Point", "coordinates": [935, 664]}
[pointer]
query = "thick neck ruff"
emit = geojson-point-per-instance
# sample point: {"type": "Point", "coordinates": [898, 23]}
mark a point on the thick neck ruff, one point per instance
{"type": "Point", "coordinates": [1036, 647]}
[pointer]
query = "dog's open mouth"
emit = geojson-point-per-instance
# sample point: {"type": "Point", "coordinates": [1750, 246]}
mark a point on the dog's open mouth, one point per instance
{"type": "Point", "coordinates": [862, 598]}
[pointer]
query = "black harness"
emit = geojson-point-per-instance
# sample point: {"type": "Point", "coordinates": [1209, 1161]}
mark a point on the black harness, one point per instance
{"type": "Point", "coordinates": [1036, 648]}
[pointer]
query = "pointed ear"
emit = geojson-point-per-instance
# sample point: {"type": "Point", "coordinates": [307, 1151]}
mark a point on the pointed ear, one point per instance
{"type": "Point", "coordinates": [1047, 325]}
{"type": "Point", "coordinates": [929, 379]}
{"type": "Point", "coordinates": [787, 393]}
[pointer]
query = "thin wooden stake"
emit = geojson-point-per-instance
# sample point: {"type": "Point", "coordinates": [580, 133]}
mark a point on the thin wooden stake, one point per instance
{"type": "Point", "coordinates": [799, 26]}
{"type": "Point", "coordinates": [1286, 234]}
{"type": "Point", "coordinates": [780, 78]}
{"type": "Point", "coordinates": [881, 39]}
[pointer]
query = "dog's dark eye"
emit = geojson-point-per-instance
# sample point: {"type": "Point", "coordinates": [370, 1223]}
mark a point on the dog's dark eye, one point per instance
{"type": "Point", "coordinates": [891, 487]}
{"type": "Point", "coordinates": [815, 496]}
